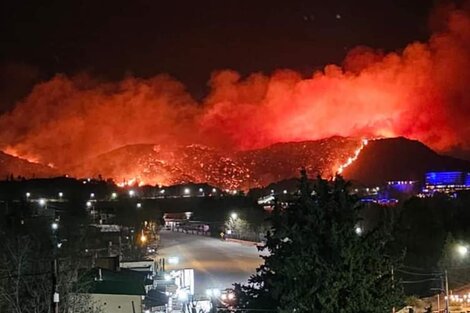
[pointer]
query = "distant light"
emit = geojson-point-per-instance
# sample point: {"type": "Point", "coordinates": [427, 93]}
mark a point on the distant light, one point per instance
{"type": "Point", "coordinates": [462, 250]}
{"type": "Point", "coordinates": [88, 203]}
{"type": "Point", "coordinates": [92, 195]}
{"type": "Point", "coordinates": [143, 238]}
{"type": "Point", "coordinates": [182, 295]}
{"type": "Point", "coordinates": [214, 190]}
{"type": "Point", "coordinates": [89, 179]}
{"type": "Point", "coordinates": [162, 191]}
{"type": "Point", "coordinates": [114, 195]}
{"type": "Point", "coordinates": [55, 226]}
{"type": "Point", "coordinates": [139, 205]}
{"type": "Point", "coordinates": [201, 190]}
{"type": "Point", "coordinates": [173, 260]}
{"type": "Point", "coordinates": [61, 194]}
{"type": "Point", "coordinates": [59, 245]}
{"type": "Point", "coordinates": [42, 202]}
{"type": "Point", "coordinates": [234, 192]}
{"type": "Point", "coordinates": [284, 191]}
{"type": "Point", "coordinates": [272, 190]}
{"type": "Point", "coordinates": [214, 292]}
{"type": "Point", "coordinates": [28, 195]}
{"type": "Point", "coordinates": [234, 215]}
{"type": "Point", "coordinates": [358, 230]}
{"type": "Point", "coordinates": [187, 191]}
{"type": "Point", "coordinates": [131, 193]}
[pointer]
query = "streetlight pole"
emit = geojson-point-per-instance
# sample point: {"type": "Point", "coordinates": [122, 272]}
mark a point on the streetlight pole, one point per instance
{"type": "Point", "coordinates": [55, 269]}
{"type": "Point", "coordinates": [447, 290]}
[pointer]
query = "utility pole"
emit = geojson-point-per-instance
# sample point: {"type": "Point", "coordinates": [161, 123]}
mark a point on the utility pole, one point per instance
{"type": "Point", "coordinates": [55, 266]}
{"type": "Point", "coordinates": [447, 291]}
{"type": "Point", "coordinates": [393, 286]}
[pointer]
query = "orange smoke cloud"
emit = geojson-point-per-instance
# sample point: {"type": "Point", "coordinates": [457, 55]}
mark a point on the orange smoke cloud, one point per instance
{"type": "Point", "coordinates": [421, 93]}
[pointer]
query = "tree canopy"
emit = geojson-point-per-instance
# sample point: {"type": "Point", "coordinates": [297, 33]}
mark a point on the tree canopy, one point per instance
{"type": "Point", "coordinates": [320, 260]}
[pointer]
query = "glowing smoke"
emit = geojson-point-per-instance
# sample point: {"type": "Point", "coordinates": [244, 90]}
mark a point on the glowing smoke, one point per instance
{"type": "Point", "coordinates": [421, 93]}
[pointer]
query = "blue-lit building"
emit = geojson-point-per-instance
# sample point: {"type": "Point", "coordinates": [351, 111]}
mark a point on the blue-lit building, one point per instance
{"type": "Point", "coordinates": [446, 181]}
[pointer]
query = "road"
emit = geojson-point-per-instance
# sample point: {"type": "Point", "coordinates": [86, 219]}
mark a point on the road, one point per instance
{"type": "Point", "coordinates": [216, 263]}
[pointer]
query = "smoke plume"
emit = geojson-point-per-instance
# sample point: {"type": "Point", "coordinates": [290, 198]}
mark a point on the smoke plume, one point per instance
{"type": "Point", "coordinates": [421, 92]}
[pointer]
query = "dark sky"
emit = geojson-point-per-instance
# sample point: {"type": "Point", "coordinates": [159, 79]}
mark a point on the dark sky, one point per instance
{"type": "Point", "coordinates": [190, 39]}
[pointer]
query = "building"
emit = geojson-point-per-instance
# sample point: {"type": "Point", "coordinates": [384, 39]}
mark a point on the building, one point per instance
{"type": "Point", "coordinates": [446, 182]}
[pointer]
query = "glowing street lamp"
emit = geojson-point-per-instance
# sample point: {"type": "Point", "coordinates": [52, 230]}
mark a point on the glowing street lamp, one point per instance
{"type": "Point", "coordinates": [214, 190]}
{"type": "Point", "coordinates": [55, 226]}
{"type": "Point", "coordinates": [358, 230]}
{"type": "Point", "coordinates": [131, 193]}
{"type": "Point", "coordinates": [234, 216]}
{"type": "Point", "coordinates": [143, 238]}
{"type": "Point", "coordinates": [187, 191]}
{"type": "Point", "coordinates": [462, 250]}
{"type": "Point", "coordinates": [61, 194]}
{"type": "Point", "coordinates": [42, 202]}
{"type": "Point", "coordinates": [92, 195]}
{"type": "Point", "coordinates": [139, 205]}
{"type": "Point", "coordinates": [113, 195]}
{"type": "Point", "coordinates": [201, 190]}
{"type": "Point", "coordinates": [28, 195]}
{"type": "Point", "coordinates": [88, 204]}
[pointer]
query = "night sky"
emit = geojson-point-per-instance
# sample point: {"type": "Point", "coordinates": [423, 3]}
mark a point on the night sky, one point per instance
{"type": "Point", "coordinates": [190, 39]}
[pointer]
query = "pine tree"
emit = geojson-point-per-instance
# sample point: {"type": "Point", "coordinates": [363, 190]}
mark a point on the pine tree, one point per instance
{"type": "Point", "coordinates": [317, 261]}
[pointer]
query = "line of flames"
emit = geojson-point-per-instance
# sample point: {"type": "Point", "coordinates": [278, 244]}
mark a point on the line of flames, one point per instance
{"type": "Point", "coordinates": [350, 160]}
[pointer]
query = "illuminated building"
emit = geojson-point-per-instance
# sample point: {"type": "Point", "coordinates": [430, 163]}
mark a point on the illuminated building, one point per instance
{"type": "Point", "coordinates": [446, 182]}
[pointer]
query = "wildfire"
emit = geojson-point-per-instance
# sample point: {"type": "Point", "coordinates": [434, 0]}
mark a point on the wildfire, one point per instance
{"type": "Point", "coordinates": [131, 182]}
{"type": "Point", "coordinates": [11, 151]}
{"type": "Point", "coordinates": [350, 160]}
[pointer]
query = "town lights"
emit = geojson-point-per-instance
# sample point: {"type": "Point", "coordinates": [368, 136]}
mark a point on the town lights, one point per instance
{"type": "Point", "coordinates": [88, 204]}
{"type": "Point", "coordinates": [113, 195]}
{"type": "Point", "coordinates": [55, 226]}
{"type": "Point", "coordinates": [42, 202]}
{"type": "Point", "coordinates": [201, 190]}
{"type": "Point", "coordinates": [28, 195]}
{"type": "Point", "coordinates": [187, 191]}
{"type": "Point", "coordinates": [234, 216]}
{"type": "Point", "coordinates": [61, 194]}
{"type": "Point", "coordinates": [131, 193]}
{"type": "Point", "coordinates": [92, 195]}
{"type": "Point", "coordinates": [139, 205]}
{"type": "Point", "coordinates": [143, 238]}
{"type": "Point", "coordinates": [214, 190]}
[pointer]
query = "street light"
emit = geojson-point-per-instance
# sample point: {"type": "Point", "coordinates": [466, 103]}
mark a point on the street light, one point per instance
{"type": "Point", "coordinates": [358, 230]}
{"type": "Point", "coordinates": [42, 202]}
{"type": "Point", "coordinates": [61, 194]}
{"type": "Point", "coordinates": [92, 195]}
{"type": "Point", "coordinates": [139, 205]}
{"type": "Point", "coordinates": [187, 191]}
{"type": "Point", "coordinates": [114, 195]}
{"type": "Point", "coordinates": [234, 215]}
{"type": "Point", "coordinates": [131, 193]}
{"type": "Point", "coordinates": [55, 226]}
{"type": "Point", "coordinates": [462, 250]}
{"type": "Point", "coordinates": [88, 204]}
{"type": "Point", "coordinates": [28, 195]}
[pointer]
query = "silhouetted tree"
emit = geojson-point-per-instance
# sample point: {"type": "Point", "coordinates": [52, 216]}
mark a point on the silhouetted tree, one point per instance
{"type": "Point", "coordinates": [318, 261]}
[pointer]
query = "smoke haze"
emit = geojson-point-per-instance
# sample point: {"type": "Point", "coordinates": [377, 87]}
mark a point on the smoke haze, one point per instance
{"type": "Point", "coordinates": [420, 93]}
